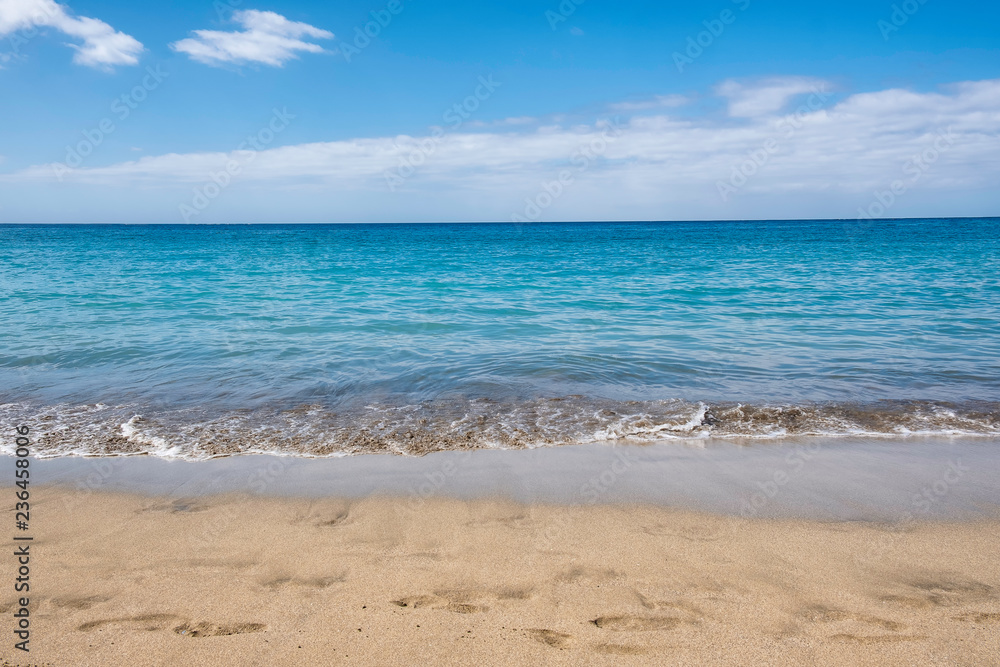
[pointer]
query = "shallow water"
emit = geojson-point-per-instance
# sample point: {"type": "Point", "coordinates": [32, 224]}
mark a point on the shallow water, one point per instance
{"type": "Point", "coordinates": [340, 339]}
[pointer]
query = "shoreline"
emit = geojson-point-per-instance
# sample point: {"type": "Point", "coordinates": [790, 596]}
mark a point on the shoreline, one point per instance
{"type": "Point", "coordinates": [359, 427]}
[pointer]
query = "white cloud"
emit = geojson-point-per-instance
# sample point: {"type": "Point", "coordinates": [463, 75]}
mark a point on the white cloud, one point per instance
{"type": "Point", "coordinates": [517, 120]}
{"type": "Point", "coordinates": [658, 102]}
{"type": "Point", "coordinates": [267, 38]}
{"type": "Point", "coordinates": [749, 100]}
{"type": "Point", "coordinates": [102, 45]}
{"type": "Point", "coordinates": [661, 167]}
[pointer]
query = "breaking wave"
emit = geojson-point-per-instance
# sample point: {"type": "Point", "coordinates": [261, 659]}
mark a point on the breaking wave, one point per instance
{"type": "Point", "coordinates": [418, 429]}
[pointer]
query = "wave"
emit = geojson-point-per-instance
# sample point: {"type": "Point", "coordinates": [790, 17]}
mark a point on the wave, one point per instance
{"type": "Point", "coordinates": [461, 424]}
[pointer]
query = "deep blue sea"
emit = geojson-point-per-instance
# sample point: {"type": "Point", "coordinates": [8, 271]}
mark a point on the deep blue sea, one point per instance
{"type": "Point", "coordinates": [199, 341]}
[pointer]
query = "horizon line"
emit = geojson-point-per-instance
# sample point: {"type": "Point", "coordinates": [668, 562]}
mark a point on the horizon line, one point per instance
{"type": "Point", "coordinates": [496, 222]}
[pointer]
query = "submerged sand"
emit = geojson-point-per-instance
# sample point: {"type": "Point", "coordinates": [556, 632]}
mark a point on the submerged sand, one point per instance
{"type": "Point", "coordinates": [233, 580]}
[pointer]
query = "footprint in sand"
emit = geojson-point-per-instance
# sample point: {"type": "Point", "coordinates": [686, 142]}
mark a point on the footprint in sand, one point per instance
{"type": "Point", "coordinates": [938, 591]}
{"type": "Point", "coordinates": [323, 514]}
{"type": "Point", "coordinates": [979, 618]}
{"type": "Point", "coordinates": [206, 629]}
{"type": "Point", "coordinates": [680, 606]}
{"type": "Point", "coordinates": [453, 603]}
{"type": "Point", "coordinates": [629, 623]}
{"type": "Point", "coordinates": [945, 591]}
{"type": "Point", "coordinates": [908, 601]}
{"type": "Point", "coordinates": [79, 603]}
{"type": "Point", "coordinates": [514, 593]}
{"type": "Point", "coordinates": [551, 638]}
{"type": "Point", "coordinates": [179, 624]}
{"type": "Point", "coordinates": [842, 625]}
{"type": "Point", "coordinates": [420, 602]}
{"type": "Point", "coordinates": [316, 583]}
{"type": "Point", "coordinates": [463, 601]}
{"type": "Point", "coordinates": [586, 574]}
{"type": "Point", "coordinates": [329, 521]}
{"type": "Point", "coordinates": [148, 622]}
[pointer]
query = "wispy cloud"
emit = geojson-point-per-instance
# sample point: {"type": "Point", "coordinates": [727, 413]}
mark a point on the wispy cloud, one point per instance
{"type": "Point", "coordinates": [748, 100]}
{"type": "Point", "coordinates": [658, 102]}
{"type": "Point", "coordinates": [514, 121]}
{"type": "Point", "coordinates": [102, 45]}
{"type": "Point", "coordinates": [659, 164]}
{"type": "Point", "coordinates": [267, 38]}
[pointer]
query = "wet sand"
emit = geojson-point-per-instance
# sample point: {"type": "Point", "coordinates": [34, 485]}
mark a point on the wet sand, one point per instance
{"type": "Point", "coordinates": [863, 479]}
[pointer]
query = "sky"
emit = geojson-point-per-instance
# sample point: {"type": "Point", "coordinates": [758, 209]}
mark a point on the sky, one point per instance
{"type": "Point", "coordinates": [526, 111]}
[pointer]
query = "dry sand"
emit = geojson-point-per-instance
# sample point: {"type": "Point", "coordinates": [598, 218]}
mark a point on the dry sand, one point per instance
{"type": "Point", "coordinates": [130, 580]}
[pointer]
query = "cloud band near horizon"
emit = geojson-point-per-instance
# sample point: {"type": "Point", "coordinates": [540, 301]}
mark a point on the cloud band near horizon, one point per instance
{"type": "Point", "coordinates": [776, 141]}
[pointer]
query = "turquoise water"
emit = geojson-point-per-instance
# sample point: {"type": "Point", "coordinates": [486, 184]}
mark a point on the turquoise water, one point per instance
{"type": "Point", "coordinates": [327, 339]}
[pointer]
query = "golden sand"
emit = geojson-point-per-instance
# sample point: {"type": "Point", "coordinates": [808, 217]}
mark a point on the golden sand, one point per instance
{"type": "Point", "coordinates": [130, 580]}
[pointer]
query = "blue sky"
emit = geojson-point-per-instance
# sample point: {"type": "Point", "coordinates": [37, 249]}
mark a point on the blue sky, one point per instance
{"type": "Point", "coordinates": [591, 111]}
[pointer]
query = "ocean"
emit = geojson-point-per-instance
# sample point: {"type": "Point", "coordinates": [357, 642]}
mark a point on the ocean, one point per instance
{"type": "Point", "coordinates": [329, 340]}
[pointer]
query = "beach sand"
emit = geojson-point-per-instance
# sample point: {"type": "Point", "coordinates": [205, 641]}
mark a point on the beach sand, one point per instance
{"type": "Point", "coordinates": [120, 579]}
